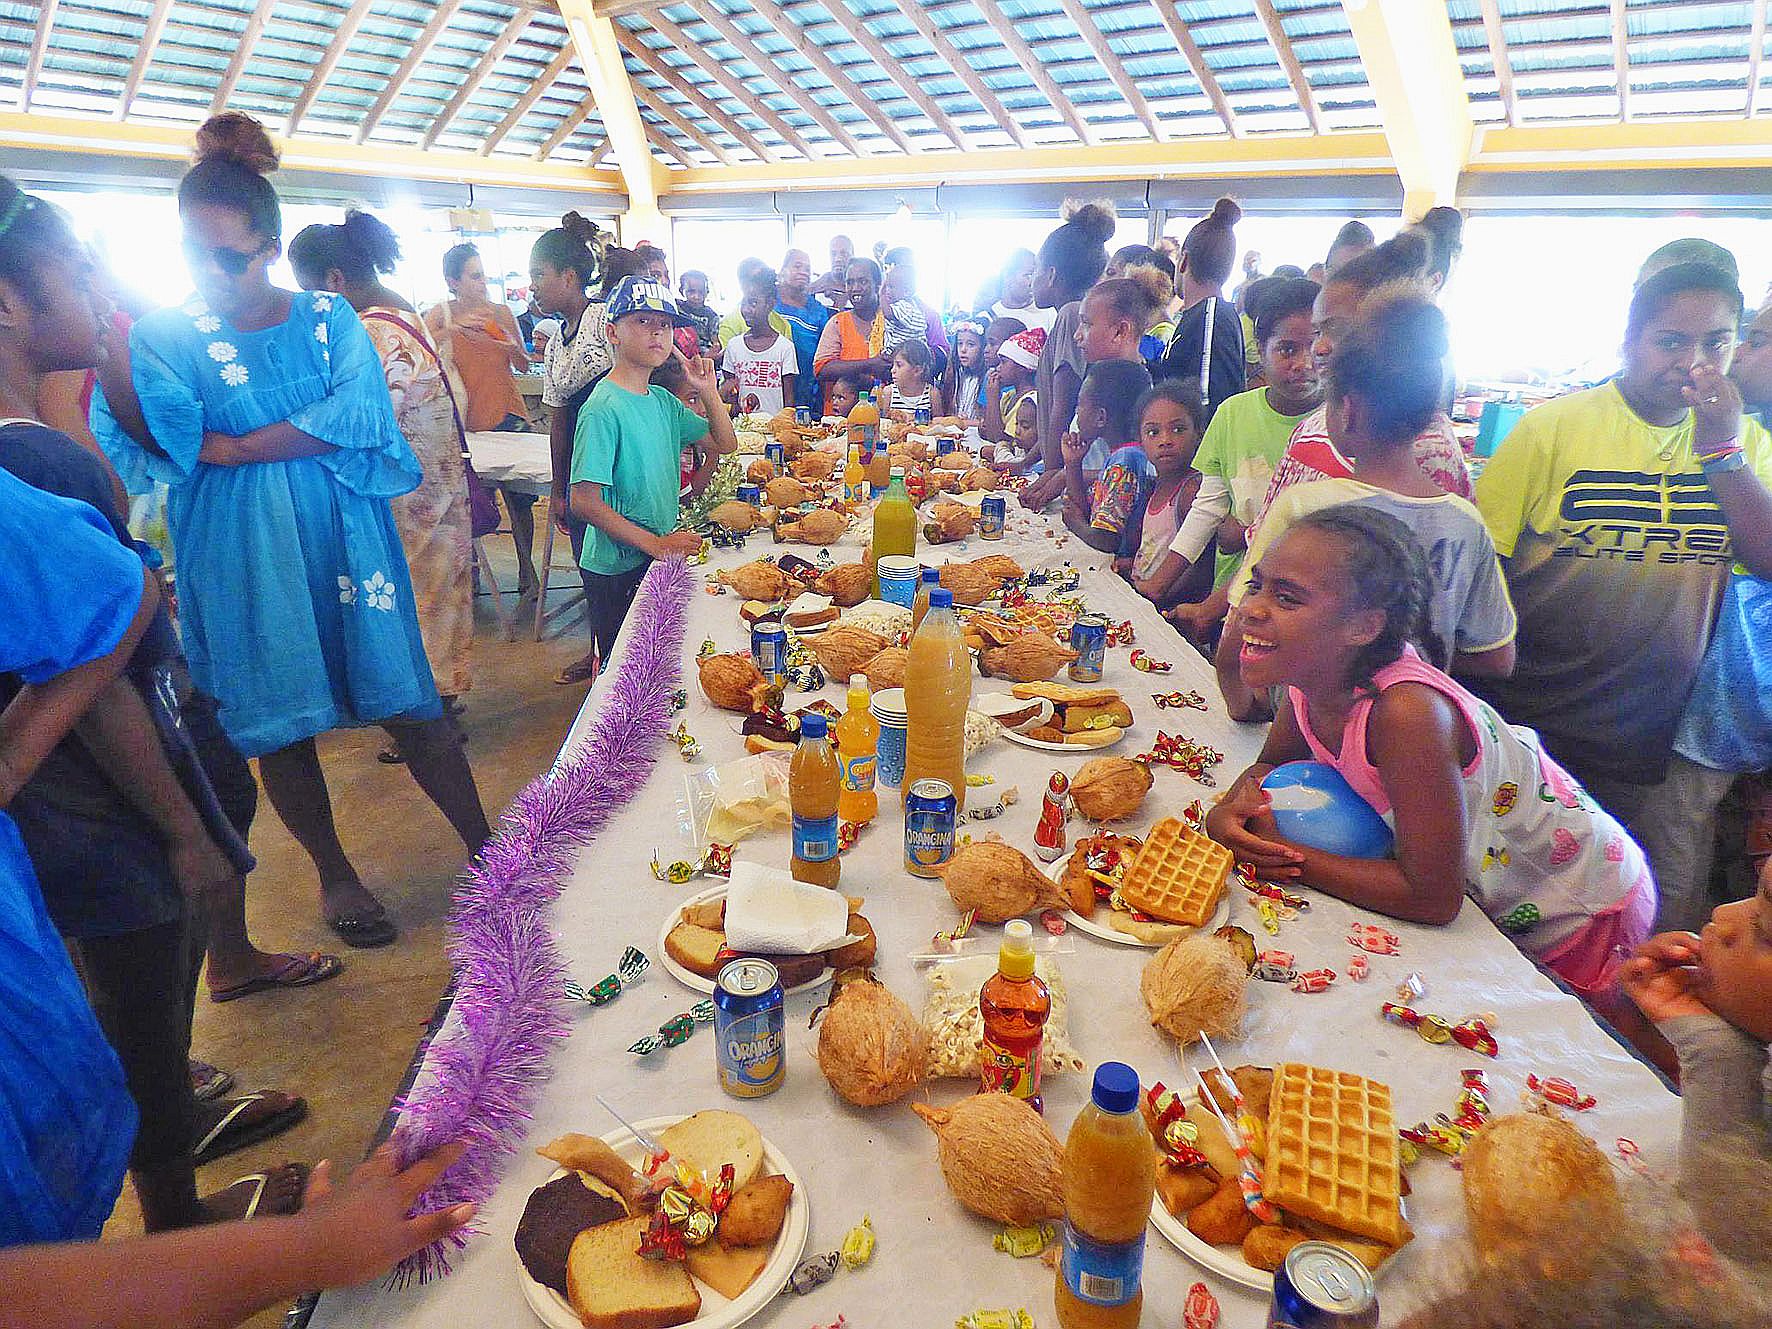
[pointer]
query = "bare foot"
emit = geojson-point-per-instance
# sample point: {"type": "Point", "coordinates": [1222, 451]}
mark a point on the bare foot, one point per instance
{"type": "Point", "coordinates": [277, 1192]}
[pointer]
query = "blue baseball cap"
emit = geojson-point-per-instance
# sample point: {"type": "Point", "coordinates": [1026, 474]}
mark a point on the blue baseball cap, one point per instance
{"type": "Point", "coordinates": [642, 295]}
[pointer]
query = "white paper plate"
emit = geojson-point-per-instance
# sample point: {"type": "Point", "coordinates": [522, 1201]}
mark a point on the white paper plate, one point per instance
{"type": "Point", "coordinates": [716, 1312]}
{"type": "Point", "coordinates": [1024, 741]}
{"type": "Point", "coordinates": [690, 979]}
{"type": "Point", "coordinates": [1225, 1261]}
{"type": "Point", "coordinates": [1055, 870]}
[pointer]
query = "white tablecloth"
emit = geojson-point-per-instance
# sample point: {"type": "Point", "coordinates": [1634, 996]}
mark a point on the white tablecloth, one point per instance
{"type": "Point", "coordinates": [520, 460]}
{"type": "Point", "coordinates": [935, 1261]}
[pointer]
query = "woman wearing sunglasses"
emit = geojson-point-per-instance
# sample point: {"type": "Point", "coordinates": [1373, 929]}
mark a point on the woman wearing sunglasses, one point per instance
{"type": "Point", "coordinates": [267, 413]}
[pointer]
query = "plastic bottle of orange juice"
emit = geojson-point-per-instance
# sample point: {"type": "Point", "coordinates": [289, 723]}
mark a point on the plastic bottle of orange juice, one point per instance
{"type": "Point", "coordinates": [937, 688]}
{"type": "Point", "coordinates": [864, 426]}
{"type": "Point", "coordinates": [920, 602]}
{"type": "Point", "coordinates": [1108, 1177]}
{"type": "Point", "coordinates": [858, 746]}
{"type": "Point", "coordinates": [1013, 1005]}
{"type": "Point", "coordinates": [812, 795]}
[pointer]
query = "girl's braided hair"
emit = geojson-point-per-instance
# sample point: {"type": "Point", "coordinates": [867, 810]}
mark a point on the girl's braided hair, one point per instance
{"type": "Point", "coordinates": [1387, 571]}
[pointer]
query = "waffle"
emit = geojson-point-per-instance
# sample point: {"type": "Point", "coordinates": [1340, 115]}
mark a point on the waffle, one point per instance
{"type": "Point", "coordinates": [1332, 1152]}
{"type": "Point", "coordinates": [1178, 876]}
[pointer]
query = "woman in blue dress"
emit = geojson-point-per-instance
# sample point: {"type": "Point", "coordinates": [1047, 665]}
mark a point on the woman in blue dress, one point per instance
{"type": "Point", "coordinates": [268, 414]}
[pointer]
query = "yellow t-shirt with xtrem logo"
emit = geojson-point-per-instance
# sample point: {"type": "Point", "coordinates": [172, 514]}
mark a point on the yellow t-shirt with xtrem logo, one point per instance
{"type": "Point", "coordinates": [1617, 555]}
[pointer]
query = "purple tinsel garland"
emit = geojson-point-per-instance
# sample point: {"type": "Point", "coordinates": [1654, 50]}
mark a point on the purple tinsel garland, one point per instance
{"type": "Point", "coordinates": [482, 1076]}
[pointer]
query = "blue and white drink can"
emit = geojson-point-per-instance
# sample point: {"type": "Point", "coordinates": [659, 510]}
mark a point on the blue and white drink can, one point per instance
{"type": "Point", "coordinates": [1089, 641]}
{"type": "Point", "coordinates": [752, 494]}
{"type": "Point", "coordinates": [769, 651]}
{"type": "Point", "coordinates": [930, 810]}
{"type": "Point", "coordinates": [750, 1029]}
{"type": "Point", "coordinates": [776, 455]}
{"type": "Point", "coordinates": [993, 512]}
{"type": "Point", "coordinates": [1321, 1286]}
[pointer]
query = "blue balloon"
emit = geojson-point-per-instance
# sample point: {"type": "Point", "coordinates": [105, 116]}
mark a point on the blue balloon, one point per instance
{"type": "Point", "coordinates": [1314, 806]}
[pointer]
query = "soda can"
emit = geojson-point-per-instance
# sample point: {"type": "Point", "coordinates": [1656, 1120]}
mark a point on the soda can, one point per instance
{"type": "Point", "coordinates": [992, 513]}
{"type": "Point", "coordinates": [752, 494]}
{"type": "Point", "coordinates": [750, 1029]}
{"type": "Point", "coordinates": [775, 454]}
{"type": "Point", "coordinates": [1320, 1286]}
{"type": "Point", "coordinates": [802, 415]}
{"type": "Point", "coordinates": [929, 813]}
{"type": "Point", "coordinates": [1089, 641]}
{"type": "Point", "coordinates": [921, 415]}
{"type": "Point", "coordinates": [769, 651]}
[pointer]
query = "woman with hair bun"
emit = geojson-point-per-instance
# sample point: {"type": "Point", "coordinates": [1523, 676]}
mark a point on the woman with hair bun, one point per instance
{"type": "Point", "coordinates": [267, 413]}
{"type": "Point", "coordinates": [435, 526]}
{"type": "Point", "coordinates": [1214, 362]}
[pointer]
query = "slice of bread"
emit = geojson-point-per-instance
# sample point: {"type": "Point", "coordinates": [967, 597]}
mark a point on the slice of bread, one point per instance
{"type": "Point", "coordinates": [697, 949]}
{"type": "Point", "coordinates": [1079, 718]}
{"type": "Point", "coordinates": [809, 610]}
{"type": "Point", "coordinates": [728, 1270]}
{"type": "Point", "coordinates": [713, 1138]}
{"type": "Point", "coordinates": [612, 1286]}
{"type": "Point", "coordinates": [753, 610]}
{"type": "Point", "coordinates": [1065, 694]}
{"type": "Point", "coordinates": [710, 914]}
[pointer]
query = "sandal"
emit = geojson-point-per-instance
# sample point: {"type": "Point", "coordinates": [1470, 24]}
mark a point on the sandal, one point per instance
{"type": "Point", "coordinates": [582, 670]}
{"type": "Point", "coordinates": [365, 929]}
{"type": "Point", "coordinates": [390, 754]}
{"type": "Point", "coordinates": [208, 1083]}
{"type": "Point", "coordinates": [230, 1134]}
{"type": "Point", "coordinates": [290, 971]}
{"type": "Point", "coordinates": [261, 1184]}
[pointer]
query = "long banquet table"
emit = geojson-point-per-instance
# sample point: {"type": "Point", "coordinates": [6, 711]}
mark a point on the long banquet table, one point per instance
{"type": "Point", "coordinates": [935, 1261]}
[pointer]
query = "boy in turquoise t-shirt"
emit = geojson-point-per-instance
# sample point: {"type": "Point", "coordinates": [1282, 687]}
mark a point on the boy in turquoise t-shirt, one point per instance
{"type": "Point", "coordinates": [625, 454]}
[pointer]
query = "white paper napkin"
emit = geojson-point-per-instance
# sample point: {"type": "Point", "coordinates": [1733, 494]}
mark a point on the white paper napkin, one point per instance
{"type": "Point", "coordinates": [768, 911]}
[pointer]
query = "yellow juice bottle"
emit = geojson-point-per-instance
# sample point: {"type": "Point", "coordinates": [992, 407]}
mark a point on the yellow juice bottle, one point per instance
{"type": "Point", "coordinates": [864, 426]}
{"type": "Point", "coordinates": [895, 525]}
{"type": "Point", "coordinates": [855, 481]}
{"type": "Point", "coordinates": [858, 747]}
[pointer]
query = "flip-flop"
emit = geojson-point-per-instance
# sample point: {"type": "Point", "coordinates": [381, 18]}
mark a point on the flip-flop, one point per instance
{"type": "Point", "coordinates": [227, 1136]}
{"type": "Point", "coordinates": [208, 1082]}
{"type": "Point", "coordinates": [390, 755]}
{"type": "Point", "coordinates": [292, 971]}
{"type": "Point", "coordinates": [365, 929]}
{"type": "Point", "coordinates": [582, 670]}
{"type": "Point", "coordinates": [261, 1182]}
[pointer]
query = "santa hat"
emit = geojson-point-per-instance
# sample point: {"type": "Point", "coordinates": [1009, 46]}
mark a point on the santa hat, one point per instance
{"type": "Point", "coordinates": [1024, 348]}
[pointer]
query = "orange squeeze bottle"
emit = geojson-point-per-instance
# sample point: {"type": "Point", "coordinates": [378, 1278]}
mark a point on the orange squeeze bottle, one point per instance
{"type": "Point", "coordinates": [1014, 1005]}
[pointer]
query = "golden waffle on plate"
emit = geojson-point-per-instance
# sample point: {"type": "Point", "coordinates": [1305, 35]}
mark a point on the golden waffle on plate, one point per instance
{"type": "Point", "coordinates": [1332, 1151]}
{"type": "Point", "coordinates": [1178, 876]}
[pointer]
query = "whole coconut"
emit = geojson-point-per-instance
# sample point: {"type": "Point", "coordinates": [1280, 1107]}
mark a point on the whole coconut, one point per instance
{"type": "Point", "coordinates": [999, 1158]}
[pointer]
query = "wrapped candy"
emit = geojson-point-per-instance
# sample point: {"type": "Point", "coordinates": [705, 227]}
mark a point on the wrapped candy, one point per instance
{"type": "Point", "coordinates": [1284, 959]}
{"type": "Point", "coordinates": [1273, 973]}
{"type": "Point", "coordinates": [1146, 665]}
{"type": "Point", "coordinates": [629, 970]}
{"type": "Point", "coordinates": [688, 1214]}
{"type": "Point", "coordinates": [1471, 1033]}
{"type": "Point", "coordinates": [1371, 937]}
{"type": "Point", "coordinates": [1200, 1310]}
{"type": "Point", "coordinates": [815, 1272]}
{"type": "Point", "coordinates": [707, 648]}
{"type": "Point", "coordinates": [1023, 1242]}
{"type": "Point", "coordinates": [1185, 701]}
{"type": "Point", "coordinates": [848, 833]}
{"type": "Point", "coordinates": [1192, 759]}
{"type": "Point", "coordinates": [1474, 1036]}
{"type": "Point", "coordinates": [1053, 922]}
{"type": "Point", "coordinates": [687, 744]}
{"type": "Point", "coordinates": [1016, 1319]}
{"type": "Point", "coordinates": [716, 862]}
{"type": "Point", "coordinates": [1358, 967]}
{"type": "Point", "coordinates": [821, 707]}
{"type": "Point", "coordinates": [1267, 890]}
{"type": "Point", "coordinates": [675, 1030]}
{"type": "Point", "coordinates": [680, 699]}
{"type": "Point", "coordinates": [1559, 1091]}
{"type": "Point", "coordinates": [1412, 988]}
{"type": "Point", "coordinates": [1121, 633]}
{"type": "Point", "coordinates": [1473, 1094]}
{"type": "Point", "coordinates": [1450, 1134]}
{"type": "Point", "coordinates": [986, 811]}
{"type": "Point", "coordinates": [1269, 914]}
{"type": "Point", "coordinates": [942, 943]}
{"type": "Point", "coordinates": [1313, 980]}
{"type": "Point", "coordinates": [858, 1244]}
{"type": "Point", "coordinates": [700, 556]}
{"type": "Point", "coordinates": [807, 677]}
{"type": "Point", "coordinates": [1178, 1136]}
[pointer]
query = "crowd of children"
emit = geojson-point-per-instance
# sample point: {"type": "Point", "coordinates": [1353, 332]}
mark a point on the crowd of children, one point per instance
{"type": "Point", "coordinates": [1544, 684]}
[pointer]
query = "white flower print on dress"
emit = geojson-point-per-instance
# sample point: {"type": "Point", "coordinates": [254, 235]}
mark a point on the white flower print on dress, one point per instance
{"type": "Point", "coordinates": [320, 333]}
{"type": "Point", "coordinates": [322, 303]}
{"type": "Point", "coordinates": [206, 323]}
{"type": "Point", "coordinates": [347, 591]}
{"type": "Point", "coordinates": [234, 375]}
{"type": "Point", "coordinates": [222, 351]}
{"type": "Point", "coordinates": [378, 593]}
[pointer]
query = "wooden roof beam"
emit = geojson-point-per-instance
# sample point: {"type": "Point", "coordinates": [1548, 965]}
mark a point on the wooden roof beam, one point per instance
{"type": "Point", "coordinates": [734, 86]}
{"type": "Point", "coordinates": [1032, 66]}
{"type": "Point", "coordinates": [599, 54]}
{"type": "Point", "coordinates": [1417, 83]}
{"type": "Point", "coordinates": [684, 126]}
{"type": "Point", "coordinates": [144, 56]}
{"type": "Point", "coordinates": [568, 126]}
{"type": "Point", "coordinates": [39, 49]}
{"type": "Point", "coordinates": [741, 42]}
{"type": "Point", "coordinates": [1110, 62]}
{"type": "Point", "coordinates": [1756, 50]}
{"type": "Point", "coordinates": [1196, 61]}
{"type": "Point", "coordinates": [956, 60]}
{"type": "Point", "coordinates": [341, 38]}
{"type": "Point", "coordinates": [1498, 56]}
{"type": "Point", "coordinates": [789, 31]}
{"type": "Point", "coordinates": [905, 82]}
{"type": "Point", "coordinates": [248, 40]}
{"type": "Point", "coordinates": [416, 55]}
{"type": "Point", "coordinates": [483, 68]}
{"type": "Point", "coordinates": [651, 61]}
{"type": "Point", "coordinates": [522, 106]}
{"type": "Point", "coordinates": [1282, 44]}
{"type": "Point", "coordinates": [1621, 57]}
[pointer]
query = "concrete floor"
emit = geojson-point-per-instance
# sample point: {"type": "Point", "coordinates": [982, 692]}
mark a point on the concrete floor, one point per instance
{"type": "Point", "coordinates": [345, 1044]}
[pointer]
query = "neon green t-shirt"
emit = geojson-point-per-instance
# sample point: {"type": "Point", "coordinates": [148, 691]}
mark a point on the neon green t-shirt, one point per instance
{"type": "Point", "coordinates": [1617, 556]}
{"type": "Point", "coordinates": [630, 443]}
{"type": "Point", "coordinates": [1243, 444]}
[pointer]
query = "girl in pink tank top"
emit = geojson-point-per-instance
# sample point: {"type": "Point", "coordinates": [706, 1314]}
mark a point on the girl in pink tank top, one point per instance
{"type": "Point", "coordinates": [1477, 806]}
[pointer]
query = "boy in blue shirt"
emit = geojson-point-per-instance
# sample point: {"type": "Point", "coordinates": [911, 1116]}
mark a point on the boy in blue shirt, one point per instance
{"type": "Point", "coordinates": [625, 453]}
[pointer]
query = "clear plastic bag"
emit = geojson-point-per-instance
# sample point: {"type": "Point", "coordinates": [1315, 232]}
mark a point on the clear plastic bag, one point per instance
{"type": "Point", "coordinates": [950, 1007]}
{"type": "Point", "coordinates": [724, 804]}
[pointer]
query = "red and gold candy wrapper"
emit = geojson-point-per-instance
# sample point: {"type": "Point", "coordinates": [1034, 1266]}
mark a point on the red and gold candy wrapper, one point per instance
{"type": "Point", "coordinates": [1181, 753]}
{"type": "Point", "coordinates": [1471, 1033]}
{"type": "Point", "coordinates": [717, 862]}
{"type": "Point", "coordinates": [629, 970]}
{"type": "Point", "coordinates": [688, 1214]}
{"type": "Point", "coordinates": [1267, 890]}
{"type": "Point", "coordinates": [1120, 634]}
{"type": "Point", "coordinates": [1561, 1092]}
{"type": "Point", "coordinates": [1450, 1134]}
{"type": "Point", "coordinates": [1178, 1136]}
{"type": "Point", "coordinates": [1200, 1310]}
{"type": "Point", "coordinates": [1145, 665]}
{"type": "Point", "coordinates": [1181, 701]}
